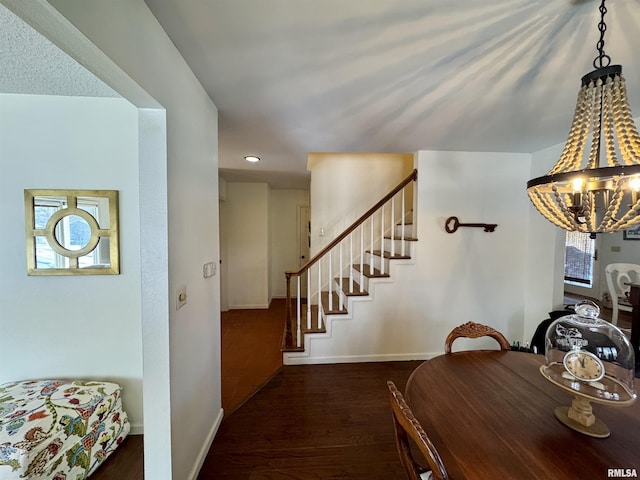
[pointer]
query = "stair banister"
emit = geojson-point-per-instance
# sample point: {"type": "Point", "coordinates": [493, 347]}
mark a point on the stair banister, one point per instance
{"type": "Point", "coordinates": [327, 249]}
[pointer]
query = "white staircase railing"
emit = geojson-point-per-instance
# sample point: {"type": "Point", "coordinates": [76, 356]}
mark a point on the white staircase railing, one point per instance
{"type": "Point", "coordinates": [324, 293]}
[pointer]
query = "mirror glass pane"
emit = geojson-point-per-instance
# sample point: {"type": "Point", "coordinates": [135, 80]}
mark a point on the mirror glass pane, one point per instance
{"type": "Point", "coordinates": [73, 232]}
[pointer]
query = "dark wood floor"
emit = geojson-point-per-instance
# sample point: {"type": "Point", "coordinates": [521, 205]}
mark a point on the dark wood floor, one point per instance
{"type": "Point", "coordinates": [327, 422]}
{"type": "Point", "coordinates": [250, 356]}
{"type": "Point", "coordinates": [315, 422]}
{"type": "Point", "coordinates": [126, 463]}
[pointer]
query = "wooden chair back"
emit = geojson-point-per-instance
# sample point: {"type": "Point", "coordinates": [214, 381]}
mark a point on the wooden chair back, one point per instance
{"type": "Point", "coordinates": [475, 330]}
{"type": "Point", "coordinates": [409, 431]}
{"type": "Point", "coordinates": [618, 276]}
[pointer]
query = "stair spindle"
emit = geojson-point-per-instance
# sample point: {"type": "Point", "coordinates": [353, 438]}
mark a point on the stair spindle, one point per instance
{"type": "Point", "coordinates": [361, 229]}
{"type": "Point", "coordinates": [330, 283]}
{"type": "Point", "coordinates": [319, 295]}
{"type": "Point", "coordinates": [340, 268]}
{"type": "Point", "coordinates": [381, 240]}
{"type": "Point", "coordinates": [371, 243]}
{"type": "Point", "coordinates": [351, 263]}
{"type": "Point", "coordinates": [402, 248]}
{"type": "Point", "coordinates": [393, 226]}
{"type": "Point", "coordinates": [309, 299]}
{"type": "Point", "coordinates": [299, 330]}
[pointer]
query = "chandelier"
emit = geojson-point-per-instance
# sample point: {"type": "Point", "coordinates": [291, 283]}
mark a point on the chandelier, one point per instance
{"type": "Point", "coordinates": [595, 198]}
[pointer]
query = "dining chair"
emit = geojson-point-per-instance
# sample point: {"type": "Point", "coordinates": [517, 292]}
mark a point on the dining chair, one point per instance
{"type": "Point", "coordinates": [475, 330]}
{"type": "Point", "coordinates": [409, 432]}
{"type": "Point", "coordinates": [618, 274]}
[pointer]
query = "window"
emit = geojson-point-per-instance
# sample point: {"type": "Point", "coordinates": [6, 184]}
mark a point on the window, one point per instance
{"type": "Point", "coordinates": [578, 259]}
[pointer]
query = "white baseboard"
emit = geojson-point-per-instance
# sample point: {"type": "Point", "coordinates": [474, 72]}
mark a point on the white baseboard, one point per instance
{"type": "Point", "coordinates": [193, 475]}
{"type": "Point", "coordinates": [257, 306]}
{"type": "Point", "coordinates": [291, 359]}
{"type": "Point", "coordinates": [136, 429]}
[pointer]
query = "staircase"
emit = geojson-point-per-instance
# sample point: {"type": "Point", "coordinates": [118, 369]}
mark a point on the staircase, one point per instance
{"type": "Point", "coordinates": [343, 273]}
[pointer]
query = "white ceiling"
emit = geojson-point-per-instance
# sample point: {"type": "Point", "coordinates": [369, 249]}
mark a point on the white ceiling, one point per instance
{"type": "Point", "coordinates": [291, 77]}
{"type": "Point", "coordinates": [295, 76]}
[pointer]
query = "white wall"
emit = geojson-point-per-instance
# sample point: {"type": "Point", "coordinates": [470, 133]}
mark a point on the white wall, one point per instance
{"type": "Point", "coordinates": [346, 185]}
{"type": "Point", "coordinates": [70, 326]}
{"type": "Point", "coordinates": [284, 233]}
{"type": "Point", "coordinates": [472, 274]}
{"type": "Point", "coordinates": [259, 227]}
{"type": "Point", "coordinates": [224, 246]}
{"type": "Point", "coordinates": [544, 287]}
{"type": "Point", "coordinates": [182, 351]}
{"type": "Point", "coordinates": [247, 233]}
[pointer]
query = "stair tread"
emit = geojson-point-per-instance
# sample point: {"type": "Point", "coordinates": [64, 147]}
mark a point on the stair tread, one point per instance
{"type": "Point", "coordinates": [314, 321]}
{"type": "Point", "coordinates": [356, 288]}
{"type": "Point", "coordinates": [406, 239]}
{"type": "Point", "coordinates": [387, 254]}
{"type": "Point", "coordinates": [335, 307]}
{"type": "Point", "coordinates": [366, 271]}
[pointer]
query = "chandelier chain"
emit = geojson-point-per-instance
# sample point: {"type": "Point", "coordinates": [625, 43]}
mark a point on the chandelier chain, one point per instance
{"type": "Point", "coordinates": [602, 60]}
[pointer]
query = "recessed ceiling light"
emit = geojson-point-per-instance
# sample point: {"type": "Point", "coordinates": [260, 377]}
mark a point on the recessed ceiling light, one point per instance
{"type": "Point", "coordinates": [252, 158]}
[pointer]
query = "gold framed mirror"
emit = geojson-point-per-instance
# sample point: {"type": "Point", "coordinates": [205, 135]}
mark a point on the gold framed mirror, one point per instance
{"type": "Point", "coordinates": [72, 232]}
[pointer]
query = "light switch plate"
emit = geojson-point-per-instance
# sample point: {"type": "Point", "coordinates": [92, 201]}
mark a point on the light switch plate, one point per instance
{"type": "Point", "coordinates": [209, 269]}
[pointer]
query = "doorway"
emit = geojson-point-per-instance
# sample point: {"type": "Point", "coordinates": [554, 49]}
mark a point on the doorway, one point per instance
{"type": "Point", "coordinates": [304, 244]}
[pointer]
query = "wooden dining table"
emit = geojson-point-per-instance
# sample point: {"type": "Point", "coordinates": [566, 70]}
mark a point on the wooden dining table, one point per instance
{"type": "Point", "coordinates": [634, 298]}
{"type": "Point", "coordinates": [490, 414]}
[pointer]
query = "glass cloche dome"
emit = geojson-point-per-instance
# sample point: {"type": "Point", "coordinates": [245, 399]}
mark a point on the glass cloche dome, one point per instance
{"type": "Point", "coordinates": [590, 356]}
{"type": "Point", "coordinates": [592, 359]}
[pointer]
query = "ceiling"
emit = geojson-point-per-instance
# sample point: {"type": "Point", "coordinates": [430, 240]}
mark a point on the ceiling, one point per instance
{"type": "Point", "coordinates": [296, 76]}
{"type": "Point", "coordinates": [291, 77]}
{"type": "Point", "coordinates": [31, 64]}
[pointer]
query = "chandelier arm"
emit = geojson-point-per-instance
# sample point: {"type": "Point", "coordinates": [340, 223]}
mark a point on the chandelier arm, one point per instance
{"type": "Point", "coordinates": [589, 212]}
{"type": "Point", "coordinates": [561, 206]}
{"type": "Point", "coordinates": [613, 206]}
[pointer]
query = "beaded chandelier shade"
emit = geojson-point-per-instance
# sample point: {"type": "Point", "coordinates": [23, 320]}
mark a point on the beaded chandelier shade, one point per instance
{"type": "Point", "coordinates": [601, 195]}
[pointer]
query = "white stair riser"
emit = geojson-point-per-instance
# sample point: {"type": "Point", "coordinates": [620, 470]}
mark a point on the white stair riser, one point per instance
{"type": "Point", "coordinates": [408, 231]}
{"type": "Point", "coordinates": [398, 246]}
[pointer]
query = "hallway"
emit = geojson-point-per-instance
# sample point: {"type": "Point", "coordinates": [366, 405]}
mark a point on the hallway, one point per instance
{"type": "Point", "coordinates": [250, 350]}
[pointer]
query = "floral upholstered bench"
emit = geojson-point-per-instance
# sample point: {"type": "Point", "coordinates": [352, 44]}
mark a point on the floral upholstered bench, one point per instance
{"type": "Point", "coordinates": [58, 429]}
